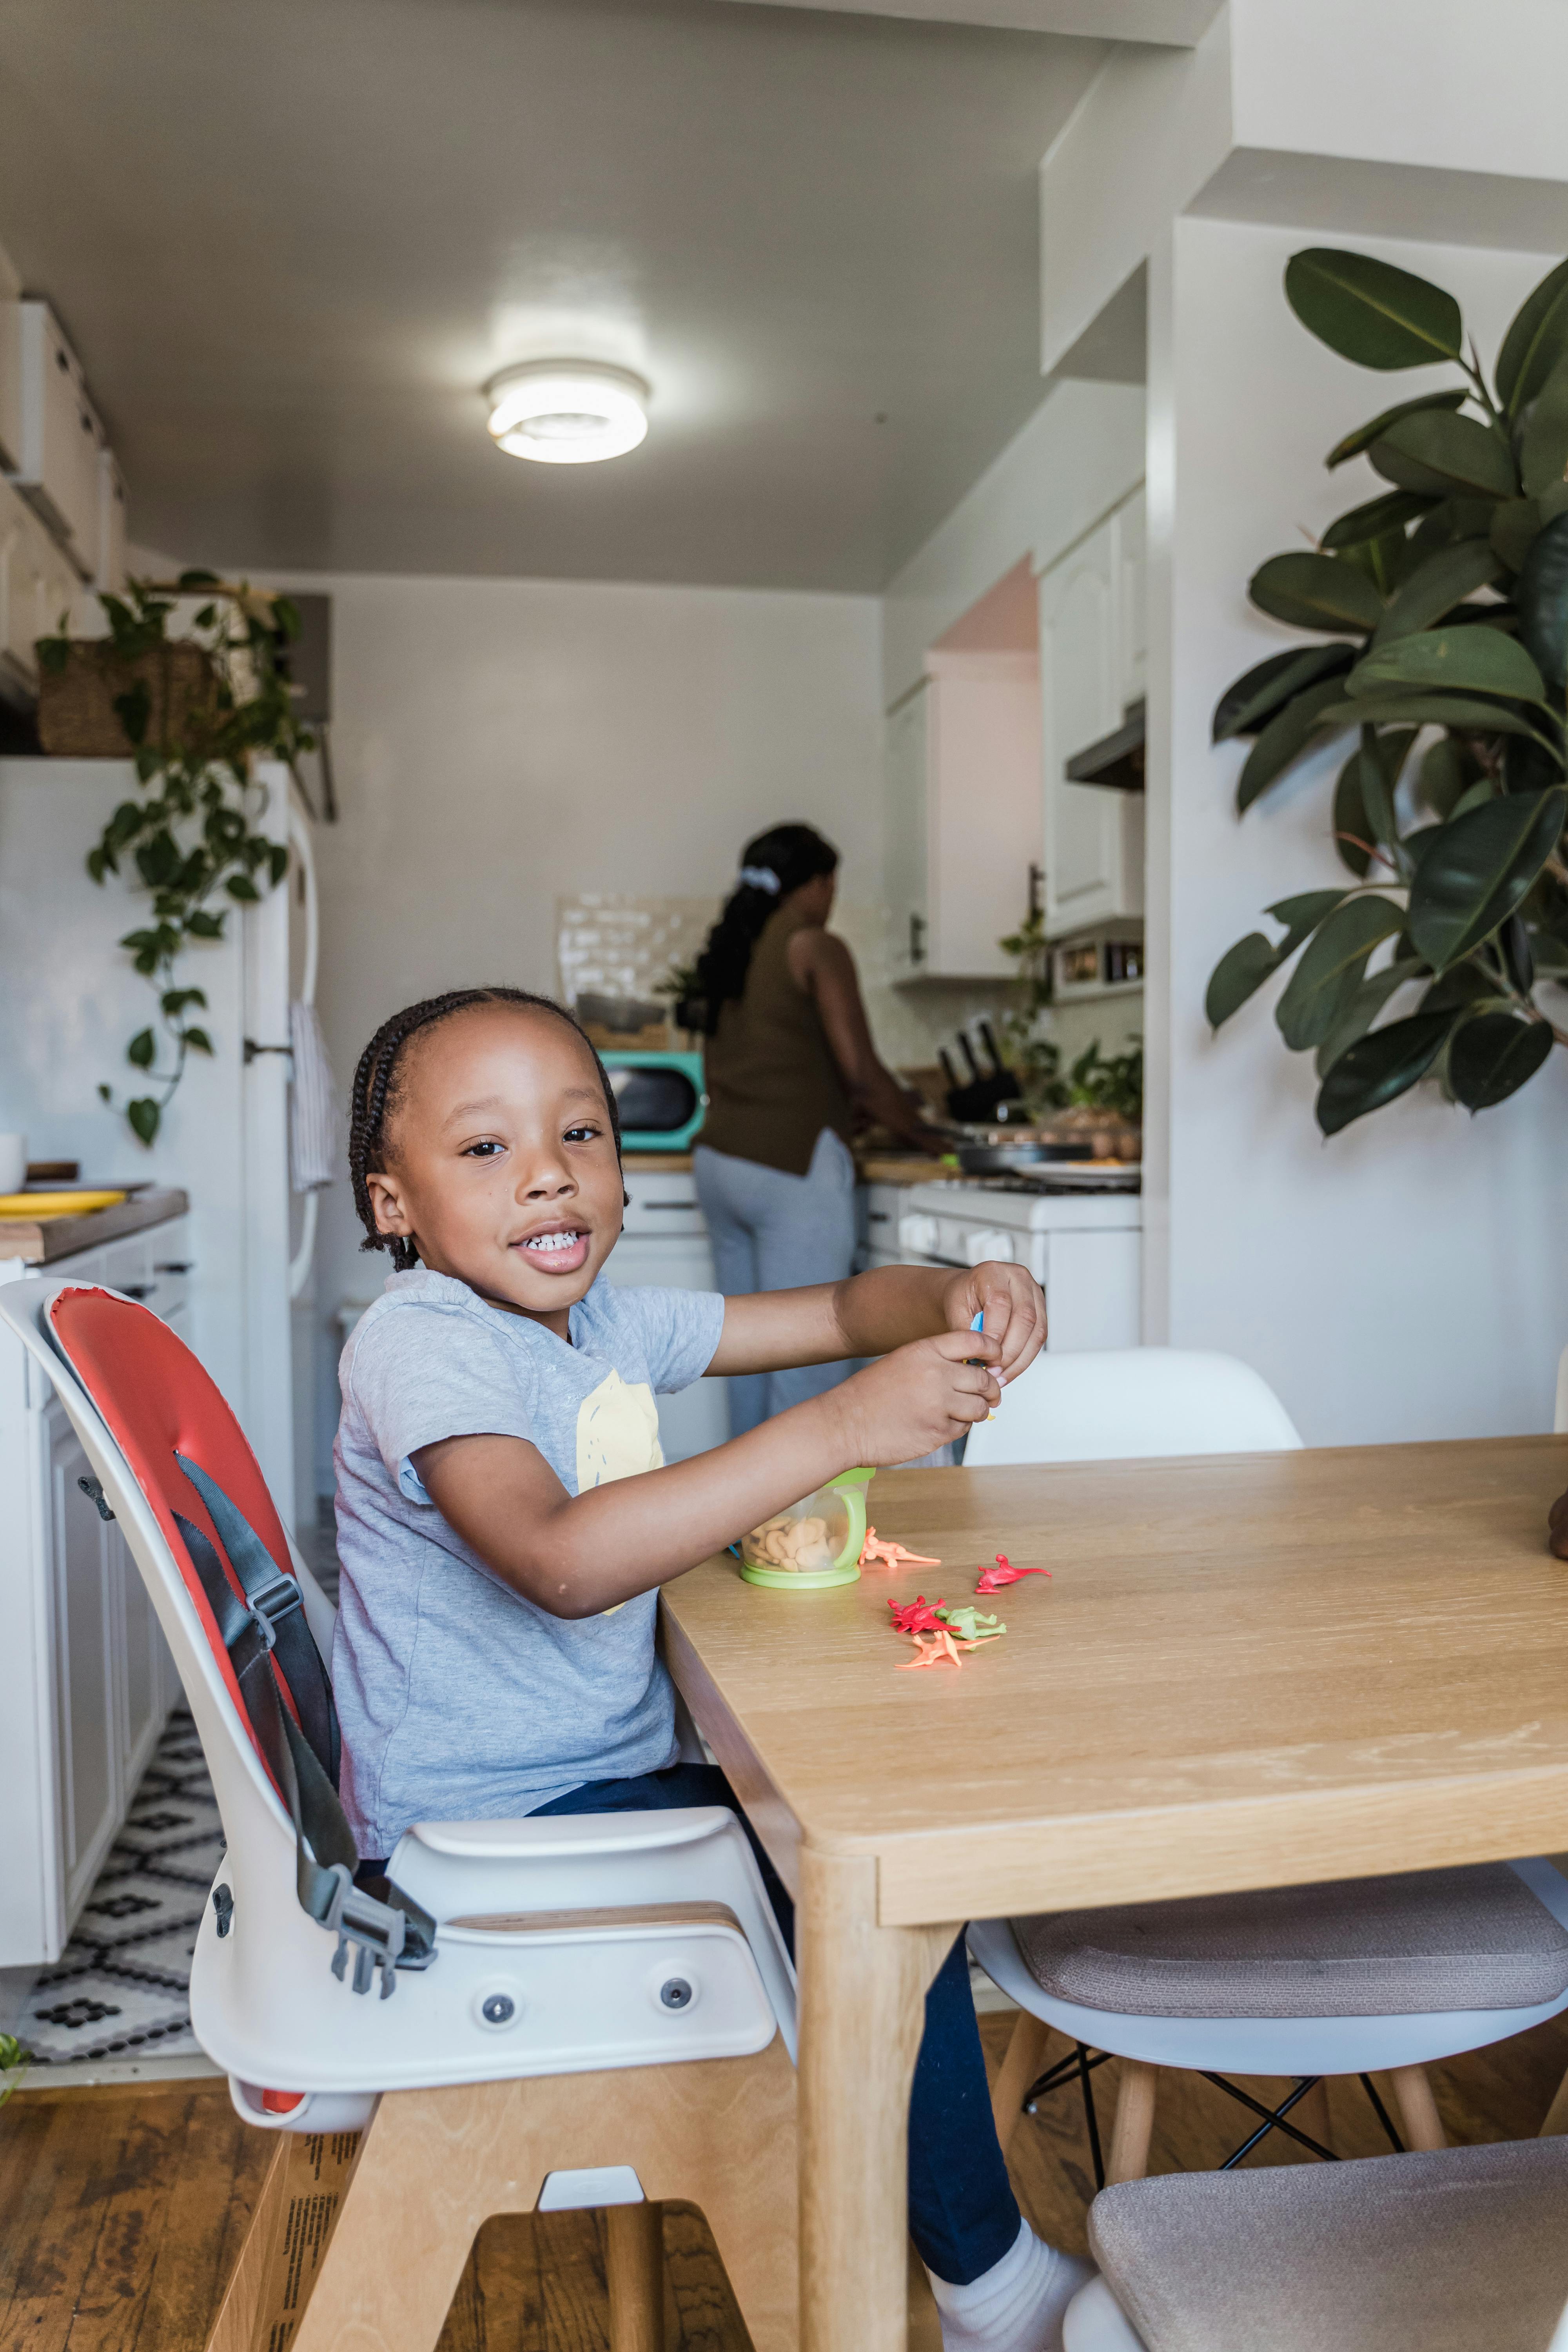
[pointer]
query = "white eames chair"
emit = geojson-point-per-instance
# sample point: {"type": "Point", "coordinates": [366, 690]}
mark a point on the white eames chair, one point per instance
{"type": "Point", "coordinates": [1361, 1977]}
{"type": "Point", "coordinates": [596, 2011]}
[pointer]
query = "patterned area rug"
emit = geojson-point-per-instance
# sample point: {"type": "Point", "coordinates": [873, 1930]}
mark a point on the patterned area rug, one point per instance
{"type": "Point", "coordinates": [121, 1987]}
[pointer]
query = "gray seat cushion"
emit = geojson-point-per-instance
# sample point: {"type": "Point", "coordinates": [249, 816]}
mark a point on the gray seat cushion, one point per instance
{"type": "Point", "coordinates": [1462, 2251]}
{"type": "Point", "coordinates": [1424, 1941]}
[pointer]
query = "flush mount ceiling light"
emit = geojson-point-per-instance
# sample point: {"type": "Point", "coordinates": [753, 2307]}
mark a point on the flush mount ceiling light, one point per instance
{"type": "Point", "coordinates": [567, 412]}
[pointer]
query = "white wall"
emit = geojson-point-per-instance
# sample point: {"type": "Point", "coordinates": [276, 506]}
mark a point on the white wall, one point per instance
{"type": "Point", "coordinates": [1409, 1278]}
{"type": "Point", "coordinates": [501, 742]}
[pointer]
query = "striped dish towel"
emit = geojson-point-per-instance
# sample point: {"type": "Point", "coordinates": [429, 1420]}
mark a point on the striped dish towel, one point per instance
{"type": "Point", "coordinates": [315, 1142]}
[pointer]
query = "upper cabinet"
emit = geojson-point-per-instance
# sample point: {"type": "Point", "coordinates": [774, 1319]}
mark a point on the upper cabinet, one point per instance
{"type": "Point", "coordinates": [37, 586]}
{"type": "Point", "coordinates": [54, 451]}
{"type": "Point", "coordinates": [57, 470]}
{"type": "Point", "coordinates": [963, 814]}
{"type": "Point", "coordinates": [1093, 650]}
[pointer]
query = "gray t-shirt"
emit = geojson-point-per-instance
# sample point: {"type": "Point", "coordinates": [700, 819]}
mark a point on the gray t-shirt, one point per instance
{"type": "Point", "coordinates": [458, 1699]}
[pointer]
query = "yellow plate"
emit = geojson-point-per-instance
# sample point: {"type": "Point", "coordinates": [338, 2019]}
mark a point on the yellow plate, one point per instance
{"type": "Point", "coordinates": [56, 1204]}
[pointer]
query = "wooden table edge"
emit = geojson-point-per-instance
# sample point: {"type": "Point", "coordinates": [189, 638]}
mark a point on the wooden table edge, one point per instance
{"type": "Point", "coordinates": [763, 1805]}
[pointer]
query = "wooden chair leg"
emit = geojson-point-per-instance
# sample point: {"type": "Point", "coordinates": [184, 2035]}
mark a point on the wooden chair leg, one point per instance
{"type": "Point", "coordinates": [1022, 2065]}
{"type": "Point", "coordinates": [1134, 2124]}
{"type": "Point", "coordinates": [1417, 2108]}
{"type": "Point", "coordinates": [435, 2165]}
{"type": "Point", "coordinates": [634, 2269]}
{"type": "Point", "coordinates": [1556, 2117]}
{"type": "Point", "coordinates": [1311, 2115]}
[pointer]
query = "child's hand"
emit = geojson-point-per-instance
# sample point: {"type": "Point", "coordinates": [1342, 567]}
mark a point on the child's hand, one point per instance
{"type": "Point", "coordinates": [918, 1398]}
{"type": "Point", "coordinates": [1014, 1307]}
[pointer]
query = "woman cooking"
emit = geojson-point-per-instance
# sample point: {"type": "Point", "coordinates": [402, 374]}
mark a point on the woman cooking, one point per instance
{"type": "Point", "coordinates": [790, 1067]}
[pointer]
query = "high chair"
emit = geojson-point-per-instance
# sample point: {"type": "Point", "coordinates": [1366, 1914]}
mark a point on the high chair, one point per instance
{"type": "Point", "coordinates": [596, 2011]}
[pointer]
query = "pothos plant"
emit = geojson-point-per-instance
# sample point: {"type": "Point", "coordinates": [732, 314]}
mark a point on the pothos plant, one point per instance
{"type": "Point", "coordinates": [191, 836]}
{"type": "Point", "coordinates": [1441, 611]}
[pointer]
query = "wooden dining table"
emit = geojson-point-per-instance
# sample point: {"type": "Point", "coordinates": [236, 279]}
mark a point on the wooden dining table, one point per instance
{"type": "Point", "coordinates": [1247, 1670]}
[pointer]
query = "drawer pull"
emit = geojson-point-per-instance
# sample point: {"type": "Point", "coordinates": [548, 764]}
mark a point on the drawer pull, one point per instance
{"type": "Point", "coordinates": [689, 1207]}
{"type": "Point", "coordinates": [176, 1265]}
{"type": "Point", "coordinates": [138, 1289]}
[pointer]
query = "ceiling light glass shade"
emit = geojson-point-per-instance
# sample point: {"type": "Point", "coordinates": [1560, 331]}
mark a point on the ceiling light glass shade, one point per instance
{"type": "Point", "coordinates": [567, 412]}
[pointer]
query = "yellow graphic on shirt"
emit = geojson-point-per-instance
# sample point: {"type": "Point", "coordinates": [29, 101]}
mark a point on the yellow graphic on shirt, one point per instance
{"type": "Point", "coordinates": [618, 1432]}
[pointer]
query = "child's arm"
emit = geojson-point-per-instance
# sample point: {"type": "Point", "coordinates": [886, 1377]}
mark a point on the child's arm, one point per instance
{"type": "Point", "coordinates": [576, 1555]}
{"type": "Point", "coordinates": [871, 1314]}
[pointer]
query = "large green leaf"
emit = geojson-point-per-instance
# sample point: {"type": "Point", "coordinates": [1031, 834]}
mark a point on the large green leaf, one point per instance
{"type": "Point", "coordinates": [1258, 693]}
{"type": "Point", "coordinates": [1543, 444]}
{"type": "Point", "coordinates": [1515, 523]}
{"type": "Point", "coordinates": [1436, 586]}
{"type": "Point", "coordinates": [1316, 592]}
{"type": "Point", "coordinates": [1493, 1054]}
{"type": "Point", "coordinates": [1361, 1010]}
{"type": "Point", "coordinates": [1438, 453]}
{"type": "Point", "coordinates": [1371, 312]}
{"type": "Point", "coordinates": [1333, 966]}
{"type": "Point", "coordinates": [1535, 342]}
{"type": "Point", "coordinates": [1373, 430]}
{"type": "Point", "coordinates": [1286, 736]}
{"type": "Point", "coordinates": [1479, 869]}
{"type": "Point", "coordinates": [1354, 833]}
{"type": "Point", "coordinates": [1376, 1068]}
{"type": "Point", "coordinates": [1245, 967]}
{"type": "Point", "coordinates": [1391, 512]}
{"type": "Point", "coordinates": [1470, 661]}
{"type": "Point", "coordinates": [1427, 706]}
{"type": "Point", "coordinates": [1540, 596]}
{"type": "Point", "coordinates": [1447, 771]}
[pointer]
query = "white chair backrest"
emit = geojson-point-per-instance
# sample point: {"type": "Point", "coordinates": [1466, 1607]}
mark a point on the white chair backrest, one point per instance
{"type": "Point", "coordinates": [1122, 1403]}
{"type": "Point", "coordinates": [1560, 2335]}
{"type": "Point", "coordinates": [1560, 1419]}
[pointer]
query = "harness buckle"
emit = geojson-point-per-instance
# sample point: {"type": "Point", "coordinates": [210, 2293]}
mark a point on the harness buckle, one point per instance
{"type": "Point", "coordinates": [375, 1929]}
{"type": "Point", "coordinates": [270, 1604]}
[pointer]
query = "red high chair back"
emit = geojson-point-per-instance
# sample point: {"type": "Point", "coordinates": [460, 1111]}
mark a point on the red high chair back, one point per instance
{"type": "Point", "coordinates": [195, 1470]}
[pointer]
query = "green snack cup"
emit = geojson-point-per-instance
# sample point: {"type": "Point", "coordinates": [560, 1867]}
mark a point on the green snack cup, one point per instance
{"type": "Point", "coordinates": [825, 1533]}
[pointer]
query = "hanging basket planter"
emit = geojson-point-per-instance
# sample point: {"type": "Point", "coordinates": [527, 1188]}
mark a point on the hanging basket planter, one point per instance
{"type": "Point", "coordinates": [78, 714]}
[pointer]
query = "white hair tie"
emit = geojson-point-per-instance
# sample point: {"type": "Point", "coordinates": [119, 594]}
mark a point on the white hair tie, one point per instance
{"type": "Point", "coordinates": [760, 878]}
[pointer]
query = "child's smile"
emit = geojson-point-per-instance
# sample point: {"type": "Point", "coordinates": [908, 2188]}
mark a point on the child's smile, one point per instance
{"type": "Point", "coordinates": [555, 1249]}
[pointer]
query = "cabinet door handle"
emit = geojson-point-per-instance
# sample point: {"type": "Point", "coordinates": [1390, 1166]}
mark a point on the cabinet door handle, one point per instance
{"type": "Point", "coordinates": [176, 1265]}
{"type": "Point", "coordinates": [1036, 883]}
{"type": "Point", "coordinates": [918, 928]}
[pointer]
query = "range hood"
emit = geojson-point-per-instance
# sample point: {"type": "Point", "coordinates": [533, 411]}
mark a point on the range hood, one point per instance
{"type": "Point", "coordinates": [1115, 760]}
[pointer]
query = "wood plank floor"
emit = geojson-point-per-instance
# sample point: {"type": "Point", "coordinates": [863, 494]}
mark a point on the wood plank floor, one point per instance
{"type": "Point", "coordinates": [121, 2212]}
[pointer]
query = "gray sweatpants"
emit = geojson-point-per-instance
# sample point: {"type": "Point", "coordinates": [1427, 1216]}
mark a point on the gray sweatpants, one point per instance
{"type": "Point", "coordinates": [775, 1231]}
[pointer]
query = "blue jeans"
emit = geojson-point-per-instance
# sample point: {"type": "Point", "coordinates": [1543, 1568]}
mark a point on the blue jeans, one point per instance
{"type": "Point", "coordinates": [963, 2214]}
{"type": "Point", "coordinates": [771, 1231]}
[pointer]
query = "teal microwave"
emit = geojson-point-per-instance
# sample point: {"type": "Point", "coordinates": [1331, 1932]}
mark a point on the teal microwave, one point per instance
{"type": "Point", "coordinates": [660, 1099]}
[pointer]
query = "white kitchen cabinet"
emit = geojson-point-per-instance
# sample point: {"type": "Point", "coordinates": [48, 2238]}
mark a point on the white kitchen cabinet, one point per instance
{"type": "Point", "coordinates": [963, 765]}
{"type": "Point", "coordinates": [90, 1679]}
{"type": "Point", "coordinates": [10, 371]}
{"type": "Point", "coordinates": [1093, 648]}
{"type": "Point", "coordinates": [38, 585]}
{"type": "Point", "coordinates": [110, 525]}
{"type": "Point", "coordinates": [57, 468]}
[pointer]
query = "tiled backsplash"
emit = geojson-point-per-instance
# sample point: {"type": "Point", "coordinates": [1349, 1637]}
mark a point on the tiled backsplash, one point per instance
{"type": "Point", "coordinates": [620, 945]}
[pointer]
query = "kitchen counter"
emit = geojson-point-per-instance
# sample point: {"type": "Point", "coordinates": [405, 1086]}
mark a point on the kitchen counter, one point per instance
{"type": "Point", "coordinates": [876, 1168]}
{"type": "Point", "coordinates": [38, 1241]}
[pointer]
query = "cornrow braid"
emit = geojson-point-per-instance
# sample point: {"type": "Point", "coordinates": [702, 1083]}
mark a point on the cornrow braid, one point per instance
{"type": "Point", "coordinates": [375, 1093]}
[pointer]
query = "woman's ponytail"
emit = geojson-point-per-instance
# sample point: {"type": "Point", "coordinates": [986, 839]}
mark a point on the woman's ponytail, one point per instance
{"type": "Point", "coordinates": [771, 866]}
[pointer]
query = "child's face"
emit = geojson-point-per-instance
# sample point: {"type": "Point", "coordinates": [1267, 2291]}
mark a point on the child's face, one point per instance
{"type": "Point", "coordinates": [502, 1164]}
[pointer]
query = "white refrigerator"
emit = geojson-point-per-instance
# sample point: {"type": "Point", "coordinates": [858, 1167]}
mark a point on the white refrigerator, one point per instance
{"type": "Point", "coordinates": [71, 1003]}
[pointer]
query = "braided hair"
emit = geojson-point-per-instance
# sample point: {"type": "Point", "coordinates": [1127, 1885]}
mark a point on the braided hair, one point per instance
{"type": "Point", "coordinates": [772, 865]}
{"type": "Point", "coordinates": [376, 1088]}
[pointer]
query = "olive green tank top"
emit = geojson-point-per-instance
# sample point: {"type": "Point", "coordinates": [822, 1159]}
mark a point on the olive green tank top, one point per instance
{"type": "Point", "coordinates": [773, 1083]}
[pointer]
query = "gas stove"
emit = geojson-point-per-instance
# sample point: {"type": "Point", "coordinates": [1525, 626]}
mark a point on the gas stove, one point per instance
{"type": "Point", "coordinates": [1061, 1182]}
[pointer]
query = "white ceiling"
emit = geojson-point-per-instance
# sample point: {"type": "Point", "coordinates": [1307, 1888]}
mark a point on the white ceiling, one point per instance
{"type": "Point", "coordinates": [292, 237]}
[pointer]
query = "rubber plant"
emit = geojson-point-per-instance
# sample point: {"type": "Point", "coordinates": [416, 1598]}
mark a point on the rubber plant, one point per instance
{"type": "Point", "coordinates": [191, 836]}
{"type": "Point", "coordinates": [1440, 614]}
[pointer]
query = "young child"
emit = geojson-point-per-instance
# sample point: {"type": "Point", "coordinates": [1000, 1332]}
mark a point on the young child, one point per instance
{"type": "Point", "coordinates": [505, 1517]}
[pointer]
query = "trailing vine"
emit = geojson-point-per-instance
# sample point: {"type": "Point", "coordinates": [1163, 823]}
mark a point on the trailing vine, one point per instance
{"type": "Point", "coordinates": [191, 837]}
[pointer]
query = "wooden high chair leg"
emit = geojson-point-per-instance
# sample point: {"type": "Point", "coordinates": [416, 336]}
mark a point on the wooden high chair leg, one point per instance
{"type": "Point", "coordinates": [1134, 2126]}
{"type": "Point", "coordinates": [1022, 2065]}
{"type": "Point", "coordinates": [435, 2165]}
{"type": "Point", "coordinates": [1417, 2107]}
{"type": "Point", "coordinates": [634, 2271]}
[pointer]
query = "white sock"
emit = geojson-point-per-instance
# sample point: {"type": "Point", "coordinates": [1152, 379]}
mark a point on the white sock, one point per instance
{"type": "Point", "coordinates": [1015, 2307]}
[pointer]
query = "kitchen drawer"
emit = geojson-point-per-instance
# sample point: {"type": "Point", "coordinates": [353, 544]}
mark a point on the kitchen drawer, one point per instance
{"type": "Point", "coordinates": [154, 1266]}
{"type": "Point", "coordinates": [663, 1206]}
